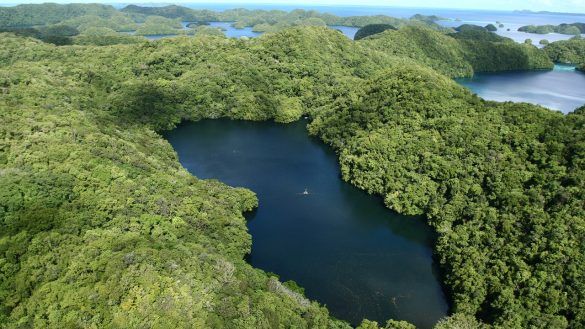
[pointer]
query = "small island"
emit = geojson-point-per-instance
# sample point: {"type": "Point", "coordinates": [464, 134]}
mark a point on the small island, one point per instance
{"type": "Point", "coordinates": [569, 29]}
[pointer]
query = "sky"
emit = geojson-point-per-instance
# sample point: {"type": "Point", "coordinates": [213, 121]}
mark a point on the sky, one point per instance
{"type": "Point", "coordinates": [574, 6]}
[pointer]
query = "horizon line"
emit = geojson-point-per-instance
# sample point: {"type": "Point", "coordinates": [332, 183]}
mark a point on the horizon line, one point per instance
{"type": "Point", "coordinates": [288, 3]}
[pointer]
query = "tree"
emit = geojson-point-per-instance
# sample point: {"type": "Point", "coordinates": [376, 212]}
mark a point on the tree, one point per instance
{"type": "Point", "coordinates": [290, 110]}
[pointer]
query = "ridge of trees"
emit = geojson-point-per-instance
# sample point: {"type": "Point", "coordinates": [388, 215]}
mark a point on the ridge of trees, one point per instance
{"type": "Point", "coordinates": [571, 29]}
{"type": "Point", "coordinates": [567, 51]}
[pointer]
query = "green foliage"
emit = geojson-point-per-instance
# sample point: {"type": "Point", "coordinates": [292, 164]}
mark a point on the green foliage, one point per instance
{"type": "Point", "coordinates": [312, 21]}
{"type": "Point", "coordinates": [477, 33]}
{"type": "Point", "coordinates": [472, 49]}
{"type": "Point", "coordinates": [428, 18]}
{"type": "Point", "coordinates": [541, 29]}
{"type": "Point", "coordinates": [173, 11]}
{"type": "Point", "coordinates": [251, 18]}
{"type": "Point", "coordinates": [460, 321]}
{"type": "Point", "coordinates": [567, 51]}
{"type": "Point", "coordinates": [502, 183]}
{"type": "Point", "coordinates": [488, 56]}
{"type": "Point", "coordinates": [165, 20]}
{"type": "Point", "coordinates": [99, 31]}
{"type": "Point", "coordinates": [55, 34]}
{"type": "Point", "coordinates": [119, 22]}
{"type": "Point", "coordinates": [391, 324]}
{"type": "Point", "coordinates": [571, 29]}
{"type": "Point", "coordinates": [158, 25]}
{"type": "Point", "coordinates": [289, 110]}
{"type": "Point", "coordinates": [275, 20]}
{"type": "Point", "coordinates": [372, 29]}
{"type": "Point", "coordinates": [265, 27]}
{"type": "Point", "coordinates": [100, 226]}
{"type": "Point", "coordinates": [425, 46]}
{"type": "Point", "coordinates": [29, 15]}
{"type": "Point", "coordinates": [105, 37]}
{"type": "Point", "coordinates": [491, 28]}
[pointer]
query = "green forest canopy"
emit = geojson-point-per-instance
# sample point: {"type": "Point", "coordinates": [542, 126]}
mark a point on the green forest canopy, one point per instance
{"type": "Point", "coordinates": [30, 20]}
{"type": "Point", "coordinates": [571, 29]}
{"type": "Point", "coordinates": [459, 54]}
{"type": "Point", "coordinates": [135, 240]}
{"type": "Point", "coordinates": [567, 51]}
{"type": "Point", "coordinates": [27, 15]}
{"type": "Point", "coordinates": [79, 15]}
{"type": "Point", "coordinates": [372, 29]}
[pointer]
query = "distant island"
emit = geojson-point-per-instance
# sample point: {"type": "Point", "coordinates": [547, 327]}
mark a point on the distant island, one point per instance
{"type": "Point", "coordinates": [526, 11]}
{"type": "Point", "coordinates": [569, 29]}
{"type": "Point", "coordinates": [34, 20]}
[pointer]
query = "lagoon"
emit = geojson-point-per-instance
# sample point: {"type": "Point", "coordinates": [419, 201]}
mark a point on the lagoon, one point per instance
{"type": "Point", "coordinates": [342, 245]}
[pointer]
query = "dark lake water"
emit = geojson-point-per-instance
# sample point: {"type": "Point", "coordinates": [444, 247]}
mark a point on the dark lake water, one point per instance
{"type": "Point", "coordinates": [561, 89]}
{"type": "Point", "coordinates": [343, 246]}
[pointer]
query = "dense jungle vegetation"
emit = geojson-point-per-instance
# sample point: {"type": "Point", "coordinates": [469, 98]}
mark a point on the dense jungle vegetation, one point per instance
{"type": "Point", "coordinates": [273, 20]}
{"type": "Point", "coordinates": [459, 54]}
{"type": "Point", "coordinates": [50, 13]}
{"type": "Point", "coordinates": [567, 51]}
{"type": "Point", "coordinates": [166, 20]}
{"type": "Point", "coordinates": [572, 29]}
{"type": "Point", "coordinates": [101, 227]}
{"type": "Point", "coordinates": [372, 29]}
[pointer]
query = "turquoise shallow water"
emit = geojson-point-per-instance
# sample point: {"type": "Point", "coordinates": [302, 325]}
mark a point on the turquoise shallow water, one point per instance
{"type": "Point", "coordinates": [343, 246]}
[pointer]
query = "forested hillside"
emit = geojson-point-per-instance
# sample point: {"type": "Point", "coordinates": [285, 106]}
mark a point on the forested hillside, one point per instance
{"type": "Point", "coordinates": [50, 13]}
{"type": "Point", "coordinates": [459, 54]}
{"type": "Point", "coordinates": [372, 29]}
{"type": "Point", "coordinates": [567, 51]}
{"type": "Point", "coordinates": [77, 15]}
{"type": "Point", "coordinates": [502, 183]}
{"type": "Point", "coordinates": [572, 29]}
{"type": "Point", "coordinates": [275, 19]}
{"type": "Point", "coordinates": [101, 226]}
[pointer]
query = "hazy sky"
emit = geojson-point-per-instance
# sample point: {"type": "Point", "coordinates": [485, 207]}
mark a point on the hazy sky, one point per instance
{"type": "Point", "coordinates": [577, 6]}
